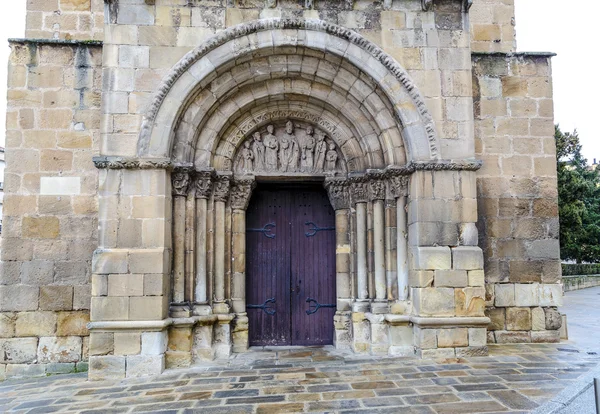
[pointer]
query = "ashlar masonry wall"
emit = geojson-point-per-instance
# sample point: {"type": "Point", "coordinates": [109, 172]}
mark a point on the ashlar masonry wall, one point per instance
{"type": "Point", "coordinates": [50, 213]}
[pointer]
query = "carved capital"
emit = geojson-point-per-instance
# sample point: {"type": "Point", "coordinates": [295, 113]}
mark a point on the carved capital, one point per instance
{"type": "Point", "coordinates": [203, 183]}
{"type": "Point", "coordinates": [241, 191]}
{"type": "Point", "coordinates": [397, 186]}
{"type": "Point", "coordinates": [376, 190]}
{"type": "Point", "coordinates": [221, 188]}
{"type": "Point", "coordinates": [426, 4]}
{"type": "Point", "coordinates": [181, 182]}
{"type": "Point", "coordinates": [359, 190]}
{"type": "Point", "coordinates": [339, 194]}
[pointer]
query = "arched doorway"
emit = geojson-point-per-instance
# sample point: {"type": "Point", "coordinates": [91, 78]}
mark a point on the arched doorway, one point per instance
{"type": "Point", "coordinates": [290, 266]}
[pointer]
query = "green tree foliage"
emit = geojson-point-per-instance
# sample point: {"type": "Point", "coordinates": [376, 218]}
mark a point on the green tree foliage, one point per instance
{"type": "Point", "coordinates": [578, 201]}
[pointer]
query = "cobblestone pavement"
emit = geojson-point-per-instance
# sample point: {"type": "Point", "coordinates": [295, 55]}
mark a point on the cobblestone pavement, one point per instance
{"type": "Point", "coordinates": [514, 378]}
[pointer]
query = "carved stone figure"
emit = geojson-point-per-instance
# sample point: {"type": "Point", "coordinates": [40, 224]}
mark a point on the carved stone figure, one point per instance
{"type": "Point", "coordinates": [181, 180]}
{"type": "Point", "coordinates": [288, 155]}
{"type": "Point", "coordinates": [308, 4]}
{"type": "Point", "coordinates": [320, 152]}
{"type": "Point", "coordinates": [259, 151]}
{"type": "Point", "coordinates": [271, 4]}
{"type": "Point", "coordinates": [203, 184]}
{"type": "Point", "coordinates": [221, 189]}
{"type": "Point", "coordinates": [331, 158]}
{"type": "Point", "coordinates": [308, 147]}
{"type": "Point", "coordinates": [271, 149]}
{"type": "Point", "coordinates": [240, 194]}
{"type": "Point", "coordinates": [247, 158]}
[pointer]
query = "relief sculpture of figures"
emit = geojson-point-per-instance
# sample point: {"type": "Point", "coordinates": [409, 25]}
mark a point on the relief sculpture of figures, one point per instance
{"type": "Point", "coordinates": [289, 153]}
{"type": "Point", "coordinates": [331, 158]}
{"type": "Point", "coordinates": [247, 157]}
{"type": "Point", "coordinates": [306, 164]}
{"type": "Point", "coordinates": [259, 151]}
{"type": "Point", "coordinates": [271, 149]}
{"type": "Point", "coordinates": [320, 152]}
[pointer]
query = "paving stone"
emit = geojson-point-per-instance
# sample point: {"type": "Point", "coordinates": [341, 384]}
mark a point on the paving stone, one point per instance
{"type": "Point", "coordinates": [514, 400]}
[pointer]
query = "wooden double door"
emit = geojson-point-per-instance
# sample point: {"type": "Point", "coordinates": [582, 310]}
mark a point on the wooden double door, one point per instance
{"type": "Point", "coordinates": [290, 267]}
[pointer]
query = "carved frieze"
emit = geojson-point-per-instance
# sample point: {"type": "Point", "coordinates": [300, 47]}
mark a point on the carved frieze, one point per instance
{"type": "Point", "coordinates": [240, 193]}
{"type": "Point", "coordinates": [181, 182]}
{"type": "Point", "coordinates": [221, 188]}
{"type": "Point", "coordinates": [397, 186]}
{"type": "Point", "coordinates": [289, 148]}
{"type": "Point", "coordinates": [339, 194]}
{"type": "Point", "coordinates": [377, 189]}
{"type": "Point", "coordinates": [359, 190]}
{"type": "Point", "coordinates": [203, 184]}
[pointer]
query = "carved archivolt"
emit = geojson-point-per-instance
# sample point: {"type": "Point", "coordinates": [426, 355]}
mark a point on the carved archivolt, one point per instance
{"type": "Point", "coordinates": [289, 148]}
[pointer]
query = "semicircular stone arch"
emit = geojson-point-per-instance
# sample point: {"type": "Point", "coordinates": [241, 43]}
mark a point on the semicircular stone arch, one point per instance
{"type": "Point", "coordinates": [224, 66]}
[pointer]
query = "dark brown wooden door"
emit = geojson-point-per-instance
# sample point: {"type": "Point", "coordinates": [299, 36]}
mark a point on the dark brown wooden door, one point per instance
{"type": "Point", "coordinates": [290, 267]}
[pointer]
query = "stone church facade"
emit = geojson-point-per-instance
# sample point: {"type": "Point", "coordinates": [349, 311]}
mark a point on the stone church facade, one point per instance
{"type": "Point", "coordinates": [190, 178]}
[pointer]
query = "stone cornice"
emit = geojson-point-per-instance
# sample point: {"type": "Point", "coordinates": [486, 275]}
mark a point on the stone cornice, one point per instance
{"type": "Point", "coordinates": [513, 54]}
{"type": "Point", "coordinates": [60, 42]}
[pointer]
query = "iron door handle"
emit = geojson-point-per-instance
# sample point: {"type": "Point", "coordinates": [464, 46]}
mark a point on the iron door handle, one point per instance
{"type": "Point", "coordinates": [314, 306]}
{"type": "Point", "coordinates": [266, 307]}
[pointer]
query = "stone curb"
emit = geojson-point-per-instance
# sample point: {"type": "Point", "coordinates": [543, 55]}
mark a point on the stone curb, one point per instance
{"type": "Point", "coordinates": [569, 394]}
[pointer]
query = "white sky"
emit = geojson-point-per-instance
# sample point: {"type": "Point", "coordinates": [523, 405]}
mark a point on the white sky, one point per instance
{"type": "Point", "coordinates": [566, 28]}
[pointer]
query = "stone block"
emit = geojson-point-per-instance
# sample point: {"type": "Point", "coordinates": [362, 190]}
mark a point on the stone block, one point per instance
{"type": "Point", "coordinates": [148, 308]}
{"type": "Point", "coordinates": [504, 295]}
{"type": "Point", "coordinates": [527, 294]}
{"type": "Point", "coordinates": [37, 272]}
{"type": "Point", "coordinates": [180, 339]}
{"type": "Point", "coordinates": [59, 349]}
{"type": "Point", "coordinates": [99, 285]}
{"type": "Point", "coordinates": [178, 359]}
{"type": "Point", "coordinates": [421, 278]}
{"type": "Point", "coordinates": [155, 284]}
{"type": "Point", "coordinates": [425, 338]}
{"type": "Point", "coordinates": [82, 297]}
{"type": "Point", "coordinates": [18, 298]}
{"type": "Point", "coordinates": [449, 338]}
{"type": "Point", "coordinates": [73, 323]}
{"type": "Point", "coordinates": [154, 343]}
{"type": "Point", "coordinates": [545, 336]}
{"type": "Point", "coordinates": [110, 261]}
{"type": "Point", "coordinates": [2, 372]}
{"type": "Point", "coordinates": [476, 278]}
{"type": "Point", "coordinates": [18, 350]}
{"type": "Point", "coordinates": [544, 249]}
{"type": "Point", "coordinates": [128, 343]}
{"type": "Point", "coordinates": [467, 258]}
{"type": "Point", "coordinates": [60, 368]}
{"type": "Point", "coordinates": [470, 301]}
{"type": "Point", "coordinates": [538, 319]}
{"type": "Point", "coordinates": [109, 309]}
{"type": "Point", "coordinates": [472, 351]}
{"type": "Point", "coordinates": [512, 337]}
{"type": "Point", "coordinates": [10, 272]}
{"type": "Point", "coordinates": [145, 365]}
{"type": "Point", "coordinates": [477, 337]}
{"type": "Point", "coordinates": [106, 368]}
{"type": "Point", "coordinates": [497, 317]}
{"type": "Point", "coordinates": [439, 353]}
{"type": "Point", "coordinates": [148, 261]}
{"type": "Point", "coordinates": [550, 295]}
{"type": "Point", "coordinates": [430, 258]}
{"type": "Point", "coordinates": [71, 273]}
{"type": "Point", "coordinates": [451, 278]}
{"type": "Point", "coordinates": [433, 301]}
{"type": "Point", "coordinates": [25, 371]}
{"type": "Point", "coordinates": [56, 298]}
{"type": "Point", "coordinates": [7, 325]}
{"type": "Point", "coordinates": [553, 319]}
{"type": "Point", "coordinates": [518, 319]}
{"type": "Point", "coordinates": [101, 343]}
{"type": "Point", "coordinates": [35, 324]}
{"type": "Point", "coordinates": [125, 285]}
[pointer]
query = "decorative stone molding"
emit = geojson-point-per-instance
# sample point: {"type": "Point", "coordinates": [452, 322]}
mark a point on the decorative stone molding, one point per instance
{"type": "Point", "coordinates": [181, 181]}
{"type": "Point", "coordinates": [241, 192]}
{"type": "Point", "coordinates": [397, 186]}
{"type": "Point", "coordinates": [244, 29]}
{"type": "Point", "coordinates": [445, 165]}
{"type": "Point", "coordinates": [221, 188]}
{"type": "Point", "coordinates": [123, 163]}
{"type": "Point", "coordinates": [338, 192]}
{"type": "Point", "coordinates": [427, 4]}
{"type": "Point", "coordinates": [203, 181]}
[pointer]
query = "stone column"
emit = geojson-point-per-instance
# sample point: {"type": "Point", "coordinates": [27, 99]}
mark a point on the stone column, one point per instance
{"type": "Point", "coordinates": [377, 196]}
{"type": "Point", "coordinates": [180, 181]}
{"type": "Point", "coordinates": [239, 199]}
{"type": "Point", "coordinates": [391, 268]}
{"type": "Point", "coordinates": [359, 198]}
{"type": "Point", "coordinates": [203, 184]}
{"type": "Point", "coordinates": [337, 190]}
{"type": "Point", "coordinates": [221, 193]}
{"type": "Point", "coordinates": [398, 189]}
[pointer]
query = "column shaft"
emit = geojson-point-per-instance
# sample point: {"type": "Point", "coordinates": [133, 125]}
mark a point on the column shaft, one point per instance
{"type": "Point", "coordinates": [361, 250]}
{"type": "Point", "coordinates": [391, 267]}
{"type": "Point", "coordinates": [179, 249]}
{"type": "Point", "coordinates": [219, 293]}
{"type": "Point", "coordinates": [379, 248]}
{"type": "Point", "coordinates": [402, 246]}
{"type": "Point", "coordinates": [238, 253]}
{"type": "Point", "coordinates": [201, 283]}
{"type": "Point", "coordinates": [342, 254]}
{"type": "Point", "coordinates": [189, 248]}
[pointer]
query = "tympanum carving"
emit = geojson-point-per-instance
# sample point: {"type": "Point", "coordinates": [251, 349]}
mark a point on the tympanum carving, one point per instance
{"type": "Point", "coordinates": [289, 148]}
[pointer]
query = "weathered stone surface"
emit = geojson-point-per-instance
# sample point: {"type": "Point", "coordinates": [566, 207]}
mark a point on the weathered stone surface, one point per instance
{"type": "Point", "coordinates": [497, 317]}
{"type": "Point", "coordinates": [144, 365]}
{"type": "Point", "coordinates": [56, 298]}
{"type": "Point", "coordinates": [518, 319]}
{"type": "Point", "coordinates": [127, 343]}
{"type": "Point", "coordinates": [434, 301]}
{"type": "Point", "coordinates": [19, 350]}
{"type": "Point", "coordinates": [7, 325]}
{"type": "Point", "coordinates": [512, 337]}
{"type": "Point", "coordinates": [553, 319]}
{"type": "Point", "coordinates": [36, 324]}
{"type": "Point", "coordinates": [538, 319]}
{"type": "Point", "coordinates": [106, 367]}
{"type": "Point", "coordinates": [101, 343]}
{"type": "Point", "coordinates": [455, 337]}
{"type": "Point", "coordinates": [73, 323]}
{"type": "Point", "coordinates": [18, 298]}
{"type": "Point", "coordinates": [59, 349]}
{"type": "Point", "coordinates": [470, 301]}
